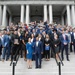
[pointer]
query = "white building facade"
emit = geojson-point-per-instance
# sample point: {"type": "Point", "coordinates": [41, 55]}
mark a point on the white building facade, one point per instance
{"type": "Point", "coordinates": [26, 11]}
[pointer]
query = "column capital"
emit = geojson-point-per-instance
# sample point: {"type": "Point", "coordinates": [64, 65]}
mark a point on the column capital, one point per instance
{"type": "Point", "coordinates": [27, 4]}
{"type": "Point", "coordinates": [67, 5]}
{"type": "Point", "coordinates": [22, 4]}
{"type": "Point", "coordinates": [45, 5]}
{"type": "Point", "coordinates": [72, 5]}
{"type": "Point", "coordinates": [50, 4]}
{"type": "Point", "coordinates": [5, 5]}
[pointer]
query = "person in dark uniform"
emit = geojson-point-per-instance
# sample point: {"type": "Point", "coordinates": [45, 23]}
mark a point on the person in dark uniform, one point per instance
{"type": "Point", "coordinates": [15, 40]}
{"type": "Point", "coordinates": [73, 39]}
{"type": "Point", "coordinates": [38, 51]}
{"type": "Point", "coordinates": [71, 43]}
{"type": "Point", "coordinates": [56, 43]}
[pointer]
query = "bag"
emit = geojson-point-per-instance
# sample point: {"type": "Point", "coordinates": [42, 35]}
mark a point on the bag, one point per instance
{"type": "Point", "coordinates": [47, 47]}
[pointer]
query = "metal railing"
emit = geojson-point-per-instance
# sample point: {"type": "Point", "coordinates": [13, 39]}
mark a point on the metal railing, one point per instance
{"type": "Point", "coordinates": [58, 63]}
{"type": "Point", "coordinates": [14, 63]}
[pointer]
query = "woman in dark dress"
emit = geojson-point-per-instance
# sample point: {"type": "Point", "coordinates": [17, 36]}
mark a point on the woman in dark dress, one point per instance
{"type": "Point", "coordinates": [25, 40]}
{"type": "Point", "coordinates": [56, 43]}
{"type": "Point", "coordinates": [47, 48]}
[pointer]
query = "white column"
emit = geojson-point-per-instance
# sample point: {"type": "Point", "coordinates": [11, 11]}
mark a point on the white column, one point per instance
{"type": "Point", "coordinates": [6, 21]}
{"type": "Point", "coordinates": [22, 14]}
{"type": "Point", "coordinates": [50, 14]}
{"type": "Point", "coordinates": [4, 15]}
{"type": "Point", "coordinates": [27, 14]}
{"type": "Point", "coordinates": [68, 15]}
{"type": "Point", "coordinates": [62, 20]}
{"type": "Point", "coordinates": [10, 19]}
{"type": "Point", "coordinates": [73, 15]}
{"type": "Point", "coordinates": [0, 15]}
{"type": "Point", "coordinates": [25, 19]}
{"type": "Point", "coordinates": [45, 13]}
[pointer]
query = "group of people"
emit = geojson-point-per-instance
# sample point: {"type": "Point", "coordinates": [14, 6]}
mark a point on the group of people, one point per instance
{"type": "Point", "coordinates": [36, 41]}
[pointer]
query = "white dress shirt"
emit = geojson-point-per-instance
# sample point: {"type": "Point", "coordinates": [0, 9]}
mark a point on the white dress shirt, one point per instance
{"type": "Point", "coordinates": [32, 40]}
{"type": "Point", "coordinates": [64, 36]}
{"type": "Point", "coordinates": [37, 43]}
{"type": "Point", "coordinates": [39, 39]}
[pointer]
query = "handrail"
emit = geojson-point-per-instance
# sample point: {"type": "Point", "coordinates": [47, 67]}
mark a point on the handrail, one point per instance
{"type": "Point", "coordinates": [55, 58]}
{"type": "Point", "coordinates": [59, 59]}
{"type": "Point", "coordinates": [15, 56]}
{"type": "Point", "coordinates": [55, 54]}
{"type": "Point", "coordinates": [58, 63]}
{"type": "Point", "coordinates": [15, 62]}
{"type": "Point", "coordinates": [59, 68]}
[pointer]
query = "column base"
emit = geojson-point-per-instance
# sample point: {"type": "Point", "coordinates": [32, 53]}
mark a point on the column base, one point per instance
{"type": "Point", "coordinates": [2, 27]}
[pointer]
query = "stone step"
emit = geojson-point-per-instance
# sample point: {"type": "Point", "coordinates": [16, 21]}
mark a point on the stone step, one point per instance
{"type": "Point", "coordinates": [48, 67]}
{"type": "Point", "coordinates": [36, 73]}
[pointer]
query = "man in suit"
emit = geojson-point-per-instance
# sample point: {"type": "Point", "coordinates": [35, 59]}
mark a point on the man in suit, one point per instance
{"type": "Point", "coordinates": [34, 32]}
{"type": "Point", "coordinates": [64, 44]}
{"type": "Point", "coordinates": [0, 44]}
{"type": "Point", "coordinates": [73, 39]}
{"type": "Point", "coordinates": [71, 43]}
{"type": "Point", "coordinates": [5, 44]}
{"type": "Point", "coordinates": [38, 50]}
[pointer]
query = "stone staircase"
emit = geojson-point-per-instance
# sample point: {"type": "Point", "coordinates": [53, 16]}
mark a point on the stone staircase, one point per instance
{"type": "Point", "coordinates": [48, 67]}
